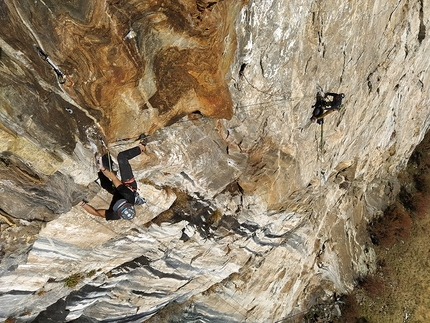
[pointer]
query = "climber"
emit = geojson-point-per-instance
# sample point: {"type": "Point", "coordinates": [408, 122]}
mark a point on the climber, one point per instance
{"type": "Point", "coordinates": [318, 109]}
{"type": "Point", "coordinates": [336, 102]}
{"type": "Point", "coordinates": [124, 191]}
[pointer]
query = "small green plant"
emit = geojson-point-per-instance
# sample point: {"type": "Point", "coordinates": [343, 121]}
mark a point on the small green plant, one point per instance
{"type": "Point", "coordinates": [215, 217]}
{"type": "Point", "coordinates": [91, 273]}
{"type": "Point", "coordinates": [73, 280]}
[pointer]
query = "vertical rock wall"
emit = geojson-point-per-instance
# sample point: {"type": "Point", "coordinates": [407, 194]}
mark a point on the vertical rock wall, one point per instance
{"type": "Point", "coordinates": [249, 216]}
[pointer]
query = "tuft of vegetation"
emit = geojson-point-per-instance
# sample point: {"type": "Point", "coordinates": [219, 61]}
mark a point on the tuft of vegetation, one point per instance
{"type": "Point", "coordinates": [170, 215]}
{"type": "Point", "coordinates": [41, 293]}
{"type": "Point", "coordinates": [421, 202]}
{"type": "Point", "coordinates": [91, 273]}
{"type": "Point", "coordinates": [73, 280]}
{"type": "Point", "coordinates": [349, 309]}
{"type": "Point", "coordinates": [10, 320]}
{"type": "Point", "coordinates": [393, 226]}
{"type": "Point", "coordinates": [215, 217]}
{"type": "Point", "coordinates": [374, 285]}
{"type": "Point", "coordinates": [415, 192]}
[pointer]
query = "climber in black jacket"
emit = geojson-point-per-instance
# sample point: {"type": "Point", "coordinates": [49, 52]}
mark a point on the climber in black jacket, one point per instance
{"type": "Point", "coordinates": [124, 191]}
{"type": "Point", "coordinates": [322, 107]}
{"type": "Point", "coordinates": [336, 102]}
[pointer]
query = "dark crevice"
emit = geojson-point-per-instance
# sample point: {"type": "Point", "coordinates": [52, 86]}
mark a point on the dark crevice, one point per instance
{"type": "Point", "coordinates": [242, 69]}
{"type": "Point", "coordinates": [145, 294]}
{"type": "Point", "coordinates": [261, 66]}
{"type": "Point", "coordinates": [202, 5]}
{"type": "Point", "coordinates": [344, 66]}
{"type": "Point", "coordinates": [307, 63]}
{"type": "Point", "coordinates": [142, 262]}
{"type": "Point", "coordinates": [369, 82]}
{"type": "Point", "coordinates": [422, 30]}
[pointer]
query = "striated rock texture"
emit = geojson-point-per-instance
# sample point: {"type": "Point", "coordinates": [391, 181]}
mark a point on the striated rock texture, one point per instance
{"type": "Point", "coordinates": [254, 214]}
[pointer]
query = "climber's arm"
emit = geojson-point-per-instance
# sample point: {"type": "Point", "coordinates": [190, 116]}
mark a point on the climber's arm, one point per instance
{"type": "Point", "coordinates": [91, 210]}
{"type": "Point", "coordinates": [326, 113]}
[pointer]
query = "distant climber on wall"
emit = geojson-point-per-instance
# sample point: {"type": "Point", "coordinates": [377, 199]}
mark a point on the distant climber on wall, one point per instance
{"type": "Point", "coordinates": [124, 191]}
{"type": "Point", "coordinates": [322, 107]}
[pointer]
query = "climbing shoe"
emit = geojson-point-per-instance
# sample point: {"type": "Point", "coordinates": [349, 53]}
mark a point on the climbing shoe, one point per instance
{"type": "Point", "coordinates": [138, 200]}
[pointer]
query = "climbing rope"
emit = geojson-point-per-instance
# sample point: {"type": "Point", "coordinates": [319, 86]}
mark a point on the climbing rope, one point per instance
{"type": "Point", "coordinates": [110, 167]}
{"type": "Point", "coordinates": [109, 159]}
{"type": "Point", "coordinates": [322, 138]}
{"type": "Point", "coordinates": [242, 74]}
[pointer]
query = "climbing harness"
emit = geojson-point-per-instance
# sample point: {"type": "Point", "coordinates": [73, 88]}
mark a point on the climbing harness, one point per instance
{"type": "Point", "coordinates": [62, 78]}
{"type": "Point", "coordinates": [138, 200]}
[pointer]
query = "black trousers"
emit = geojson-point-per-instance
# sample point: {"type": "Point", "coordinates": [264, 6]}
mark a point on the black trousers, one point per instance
{"type": "Point", "coordinates": [124, 169]}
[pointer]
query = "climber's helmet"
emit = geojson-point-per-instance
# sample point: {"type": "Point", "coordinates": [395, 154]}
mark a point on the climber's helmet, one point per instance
{"type": "Point", "coordinates": [124, 209]}
{"type": "Point", "coordinates": [342, 95]}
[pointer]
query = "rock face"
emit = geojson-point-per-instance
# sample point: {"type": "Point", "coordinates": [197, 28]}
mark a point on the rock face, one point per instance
{"type": "Point", "coordinates": [254, 214]}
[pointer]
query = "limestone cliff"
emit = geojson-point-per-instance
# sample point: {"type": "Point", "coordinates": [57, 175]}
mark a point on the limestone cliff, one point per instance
{"type": "Point", "coordinates": [253, 214]}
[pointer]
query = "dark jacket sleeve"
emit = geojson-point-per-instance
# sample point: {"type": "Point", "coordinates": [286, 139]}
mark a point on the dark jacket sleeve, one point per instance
{"type": "Point", "coordinates": [126, 193]}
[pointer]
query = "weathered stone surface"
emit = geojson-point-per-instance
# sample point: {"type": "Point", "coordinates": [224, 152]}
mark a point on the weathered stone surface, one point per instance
{"type": "Point", "coordinates": [248, 218]}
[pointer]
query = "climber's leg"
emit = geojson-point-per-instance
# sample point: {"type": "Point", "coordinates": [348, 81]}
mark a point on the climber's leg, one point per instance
{"type": "Point", "coordinates": [124, 166]}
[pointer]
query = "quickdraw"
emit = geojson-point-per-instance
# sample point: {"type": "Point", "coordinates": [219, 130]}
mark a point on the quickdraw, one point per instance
{"type": "Point", "coordinates": [62, 78]}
